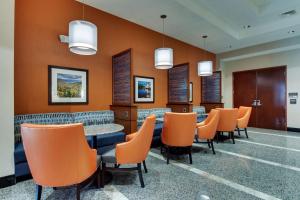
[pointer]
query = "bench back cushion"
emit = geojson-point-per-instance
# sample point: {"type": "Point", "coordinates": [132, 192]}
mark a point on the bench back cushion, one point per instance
{"type": "Point", "coordinates": [94, 117]}
{"type": "Point", "coordinates": [200, 110]}
{"type": "Point", "coordinates": [43, 118]}
{"type": "Point", "coordinates": [87, 118]}
{"type": "Point", "coordinates": [143, 113]}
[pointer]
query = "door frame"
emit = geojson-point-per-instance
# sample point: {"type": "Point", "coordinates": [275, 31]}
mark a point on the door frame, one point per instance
{"type": "Point", "coordinates": [261, 69]}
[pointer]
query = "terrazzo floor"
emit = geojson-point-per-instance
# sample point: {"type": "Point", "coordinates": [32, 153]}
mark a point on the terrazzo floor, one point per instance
{"type": "Point", "coordinates": [265, 166]}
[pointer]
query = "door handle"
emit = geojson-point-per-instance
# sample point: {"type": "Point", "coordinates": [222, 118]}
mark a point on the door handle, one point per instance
{"type": "Point", "coordinates": [254, 104]}
{"type": "Point", "coordinates": [258, 103]}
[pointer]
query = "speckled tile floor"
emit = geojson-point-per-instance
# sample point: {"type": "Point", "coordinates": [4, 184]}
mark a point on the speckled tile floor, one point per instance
{"type": "Point", "coordinates": [253, 168]}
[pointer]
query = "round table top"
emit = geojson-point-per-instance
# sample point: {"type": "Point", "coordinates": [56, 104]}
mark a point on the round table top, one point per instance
{"type": "Point", "coordinates": [94, 130]}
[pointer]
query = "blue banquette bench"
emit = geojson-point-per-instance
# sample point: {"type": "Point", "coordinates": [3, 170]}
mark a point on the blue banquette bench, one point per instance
{"type": "Point", "coordinates": [104, 142]}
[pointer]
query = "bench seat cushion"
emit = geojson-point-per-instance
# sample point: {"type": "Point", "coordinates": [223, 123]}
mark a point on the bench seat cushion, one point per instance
{"type": "Point", "coordinates": [110, 139]}
{"type": "Point", "coordinates": [158, 129]}
{"type": "Point", "coordinates": [19, 153]}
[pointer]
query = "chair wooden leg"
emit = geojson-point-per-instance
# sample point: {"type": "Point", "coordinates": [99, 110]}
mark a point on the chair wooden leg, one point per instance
{"type": "Point", "coordinates": [139, 166]}
{"type": "Point", "coordinates": [190, 155]}
{"type": "Point", "coordinates": [232, 137]}
{"type": "Point", "coordinates": [38, 192]}
{"type": "Point", "coordinates": [208, 142]}
{"type": "Point", "coordinates": [78, 192]}
{"type": "Point", "coordinates": [145, 167]}
{"type": "Point", "coordinates": [161, 148]}
{"type": "Point", "coordinates": [168, 154]}
{"type": "Point", "coordinates": [239, 131]}
{"type": "Point", "coordinates": [212, 146]}
{"type": "Point", "coordinates": [246, 132]}
{"type": "Point", "coordinates": [99, 177]}
{"type": "Point", "coordinates": [102, 174]}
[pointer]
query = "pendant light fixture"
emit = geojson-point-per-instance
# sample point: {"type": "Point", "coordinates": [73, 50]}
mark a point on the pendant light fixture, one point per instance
{"type": "Point", "coordinates": [163, 57]}
{"type": "Point", "coordinates": [82, 36]}
{"type": "Point", "coordinates": [205, 68]}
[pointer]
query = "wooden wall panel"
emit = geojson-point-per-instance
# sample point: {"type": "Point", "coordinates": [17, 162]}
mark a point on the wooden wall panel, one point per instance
{"type": "Point", "coordinates": [211, 88]}
{"type": "Point", "coordinates": [178, 84]}
{"type": "Point", "coordinates": [121, 64]}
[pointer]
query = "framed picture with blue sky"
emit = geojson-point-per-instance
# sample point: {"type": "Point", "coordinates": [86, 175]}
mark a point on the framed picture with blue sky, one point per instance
{"type": "Point", "coordinates": [144, 89]}
{"type": "Point", "coordinates": [67, 85]}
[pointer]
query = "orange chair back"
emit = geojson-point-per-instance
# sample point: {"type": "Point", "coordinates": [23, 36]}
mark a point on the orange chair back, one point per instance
{"type": "Point", "coordinates": [136, 150]}
{"type": "Point", "coordinates": [244, 116]}
{"type": "Point", "coordinates": [179, 129]}
{"type": "Point", "coordinates": [210, 116]}
{"type": "Point", "coordinates": [208, 131]}
{"type": "Point", "coordinates": [228, 119]}
{"type": "Point", "coordinates": [58, 155]}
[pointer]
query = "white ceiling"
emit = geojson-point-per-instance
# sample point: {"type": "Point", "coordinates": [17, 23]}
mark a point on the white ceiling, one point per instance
{"type": "Point", "coordinates": [221, 20]}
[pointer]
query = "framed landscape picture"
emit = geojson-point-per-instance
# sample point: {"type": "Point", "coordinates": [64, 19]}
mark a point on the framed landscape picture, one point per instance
{"type": "Point", "coordinates": [67, 85]}
{"type": "Point", "coordinates": [191, 92]}
{"type": "Point", "coordinates": [143, 89]}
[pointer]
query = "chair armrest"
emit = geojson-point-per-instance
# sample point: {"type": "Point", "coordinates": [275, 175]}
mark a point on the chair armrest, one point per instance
{"type": "Point", "coordinates": [201, 124]}
{"type": "Point", "coordinates": [126, 153]}
{"type": "Point", "coordinates": [205, 132]}
{"type": "Point", "coordinates": [130, 136]}
{"type": "Point", "coordinates": [241, 122]}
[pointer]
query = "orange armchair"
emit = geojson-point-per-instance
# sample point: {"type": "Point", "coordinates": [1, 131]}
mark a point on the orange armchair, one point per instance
{"type": "Point", "coordinates": [244, 114]}
{"type": "Point", "coordinates": [58, 156]}
{"type": "Point", "coordinates": [133, 151]}
{"type": "Point", "coordinates": [179, 131]}
{"type": "Point", "coordinates": [227, 122]}
{"type": "Point", "coordinates": [208, 130]}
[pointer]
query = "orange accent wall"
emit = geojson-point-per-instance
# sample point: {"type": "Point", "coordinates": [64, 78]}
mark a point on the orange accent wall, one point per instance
{"type": "Point", "coordinates": [37, 26]}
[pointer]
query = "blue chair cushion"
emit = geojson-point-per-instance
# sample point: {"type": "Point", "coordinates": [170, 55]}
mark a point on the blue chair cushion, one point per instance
{"type": "Point", "coordinates": [110, 139]}
{"type": "Point", "coordinates": [19, 153]}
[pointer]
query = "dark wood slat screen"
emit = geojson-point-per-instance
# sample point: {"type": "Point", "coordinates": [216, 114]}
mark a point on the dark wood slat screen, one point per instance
{"type": "Point", "coordinates": [178, 84]}
{"type": "Point", "coordinates": [121, 66]}
{"type": "Point", "coordinates": [211, 88]}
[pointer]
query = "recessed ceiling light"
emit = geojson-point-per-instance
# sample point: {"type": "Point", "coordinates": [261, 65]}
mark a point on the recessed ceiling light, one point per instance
{"type": "Point", "coordinates": [288, 13]}
{"type": "Point", "coordinates": [291, 31]}
{"type": "Point", "coordinates": [246, 26]}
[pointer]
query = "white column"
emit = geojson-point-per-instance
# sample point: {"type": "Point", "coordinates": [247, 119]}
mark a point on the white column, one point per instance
{"type": "Point", "coordinates": [7, 15]}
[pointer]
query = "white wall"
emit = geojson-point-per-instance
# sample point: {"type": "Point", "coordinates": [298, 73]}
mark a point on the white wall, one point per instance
{"type": "Point", "coordinates": [7, 9]}
{"type": "Point", "coordinates": [289, 58]}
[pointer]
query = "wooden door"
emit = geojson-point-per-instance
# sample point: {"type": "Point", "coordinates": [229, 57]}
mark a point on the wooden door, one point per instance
{"type": "Point", "coordinates": [271, 93]}
{"type": "Point", "coordinates": [244, 92]}
{"type": "Point", "coordinates": [265, 91]}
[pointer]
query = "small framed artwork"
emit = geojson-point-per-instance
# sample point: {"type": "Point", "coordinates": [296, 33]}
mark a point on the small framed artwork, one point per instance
{"type": "Point", "coordinates": [143, 89]}
{"type": "Point", "coordinates": [67, 85]}
{"type": "Point", "coordinates": [191, 92]}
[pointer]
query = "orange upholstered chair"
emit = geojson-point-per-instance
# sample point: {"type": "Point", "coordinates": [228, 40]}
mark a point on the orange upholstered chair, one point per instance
{"type": "Point", "coordinates": [227, 121]}
{"type": "Point", "coordinates": [207, 130]}
{"type": "Point", "coordinates": [133, 151]}
{"type": "Point", "coordinates": [179, 131]}
{"type": "Point", "coordinates": [58, 156]}
{"type": "Point", "coordinates": [243, 119]}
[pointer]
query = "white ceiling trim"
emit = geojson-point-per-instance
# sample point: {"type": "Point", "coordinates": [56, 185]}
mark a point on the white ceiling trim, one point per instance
{"type": "Point", "coordinates": [208, 16]}
{"type": "Point", "coordinates": [261, 53]}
